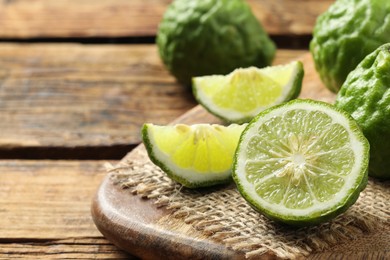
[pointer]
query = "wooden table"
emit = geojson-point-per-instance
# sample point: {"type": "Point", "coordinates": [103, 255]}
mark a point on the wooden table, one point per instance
{"type": "Point", "coordinates": [77, 80]}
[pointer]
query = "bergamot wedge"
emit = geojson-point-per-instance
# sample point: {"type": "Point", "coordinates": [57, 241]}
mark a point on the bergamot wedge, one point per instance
{"type": "Point", "coordinates": [197, 155]}
{"type": "Point", "coordinates": [242, 94]}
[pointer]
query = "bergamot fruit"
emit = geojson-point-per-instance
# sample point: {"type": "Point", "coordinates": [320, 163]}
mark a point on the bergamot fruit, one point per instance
{"type": "Point", "coordinates": [366, 96]}
{"type": "Point", "coordinates": [197, 155]}
{"type": "Point", "coordinates": [205, 37]}
{"type": "Point", "coordinates": [302, 162]}
{"type": "Point", "coordinates": [347, 32]}
{"type": "Point", "coordinates": [243, 93]}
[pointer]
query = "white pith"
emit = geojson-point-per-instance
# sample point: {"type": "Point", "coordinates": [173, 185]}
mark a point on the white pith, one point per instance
{"type": "Point", "coordinates": [297, 160]}
{"type": "Point", "coordinates": [233, 115]}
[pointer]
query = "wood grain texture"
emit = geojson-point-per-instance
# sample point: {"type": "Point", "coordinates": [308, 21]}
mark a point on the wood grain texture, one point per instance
{"type": "Point", "coordinates": [83, 96]}
{"type": "Point", "coordinates": [123, 18]}
{"type": "Point", "coordinates": [47, 199]}
{"type": "Point", "coordinates": [71, 248]}
{"type": "Point", "coordinates": [137, 221]}
{"type": "Point", "coordinates": [45, 210]}
{"type": "Point", "coordinates": [63, 99]}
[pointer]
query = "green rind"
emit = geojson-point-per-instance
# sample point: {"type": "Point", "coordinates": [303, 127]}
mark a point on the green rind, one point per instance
{"type": "Point", "coordinates": [295, 90]}
{"type": "Point", "coordinates": [171, 174]}
{"type": "Point", "coordinates": [297, 84]}
{"type": "Point", "coordinates": [344, 34]}
{"type": "Point", "coordinates": [196, 38]}
{"type": "Point", "coordinates": [321, 217]}
{"type": "Point", "coordinates": [366, 96]}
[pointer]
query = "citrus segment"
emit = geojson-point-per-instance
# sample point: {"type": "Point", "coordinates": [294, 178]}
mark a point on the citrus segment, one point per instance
{"type": "Point", "coordinates": [302, 162]}
{"type": "Point", "coordinates": [195, 156]}
{"type": "Point", "coordinates": [242, 94]}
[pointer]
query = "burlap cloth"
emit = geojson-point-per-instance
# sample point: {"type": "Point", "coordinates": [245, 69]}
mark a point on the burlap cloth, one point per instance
{"type": "Point", "coordinates": [222, 215]}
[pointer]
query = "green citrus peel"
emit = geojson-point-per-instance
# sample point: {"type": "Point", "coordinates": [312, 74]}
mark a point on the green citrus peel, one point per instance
{"type": "Point", "coordinates": [347, 32]}
{"type": "Point", "coordinates": [207, 37]}
{"type": "Point", "coordinates": [366, 96]}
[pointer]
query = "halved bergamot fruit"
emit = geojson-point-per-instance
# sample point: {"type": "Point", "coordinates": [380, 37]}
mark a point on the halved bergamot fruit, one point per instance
{"type": "Point", "coordinates": [194, 155]}
{"type": "Point", "coordinates": [242, 94]}
{"type": "Point", "coordinates": [302, 162]}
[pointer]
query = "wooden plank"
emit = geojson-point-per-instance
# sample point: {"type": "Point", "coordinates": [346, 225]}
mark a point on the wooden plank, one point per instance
{"type": "Point", "coordinates": [45, 210]}
{"type": "Point", "coordinates": [71, 248]}
{"type": "Point", "coordinates": [289, 17]}
{"type": "Point", "coordinates": [48, 199]}
{"type": "Point", "coordinates": [63, 99]}
{"type": "Point", "coordinates": [123, 18]}
{"type": "Point", "coordinates": [66, 96]}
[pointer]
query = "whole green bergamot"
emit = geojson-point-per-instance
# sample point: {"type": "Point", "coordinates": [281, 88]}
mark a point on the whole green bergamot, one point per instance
{"type": "Point", "coordinates": [347, 32]}
{"type": "Point", "coordinates": [204, 37]}
{"type": "Point", "coordinates": [366, 96]}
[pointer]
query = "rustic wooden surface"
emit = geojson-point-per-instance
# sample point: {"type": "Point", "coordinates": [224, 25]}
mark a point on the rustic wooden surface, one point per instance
{"type": "Point", "coordinates": [68, 248]}
{"type": "Point", "coordinates": [65, 99]}
{"type": "Point", "coordinates": [123, 18]}
{"type": "Point", "coordinates": [75, 101]}
{"type": "Point", "coordinates": [76, 96]}
{"type": "Point", "coordinates": [45, 210]}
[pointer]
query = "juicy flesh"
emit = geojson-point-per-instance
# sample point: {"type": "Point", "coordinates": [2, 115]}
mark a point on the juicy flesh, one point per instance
{"type": "Point", "coordinates": [204, 148]}
{"type": "Point", "coordinates": [302, 163]}
{"type": "Point", "coordinates": [243, 90]}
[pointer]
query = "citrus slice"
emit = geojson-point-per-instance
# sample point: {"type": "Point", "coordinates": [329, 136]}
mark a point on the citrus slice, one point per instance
{"type": "Point", "coordinates": [242, 94]}
{"type": "Point", "coordinates": [302, 162]}
{"type": "Point", "coordinates": [195, 156]}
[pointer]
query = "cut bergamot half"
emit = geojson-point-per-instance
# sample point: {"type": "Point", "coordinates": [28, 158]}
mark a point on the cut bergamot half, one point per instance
{"type": "Point", "coordinates": [302, 162]}
{"type": "Point", "coordinates": [197, 155]}
{"type": "Point", "coordinates": [242, 94]}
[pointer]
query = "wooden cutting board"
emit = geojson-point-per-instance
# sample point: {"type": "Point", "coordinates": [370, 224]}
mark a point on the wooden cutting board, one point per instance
{"type": "Point", "coordinates": [132, 223]}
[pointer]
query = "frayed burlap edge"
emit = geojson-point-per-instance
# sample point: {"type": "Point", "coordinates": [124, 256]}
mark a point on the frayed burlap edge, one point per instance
{"type": "Point", "coordinates": [222, 215]}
